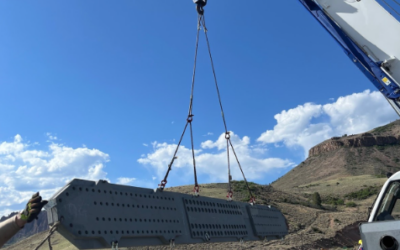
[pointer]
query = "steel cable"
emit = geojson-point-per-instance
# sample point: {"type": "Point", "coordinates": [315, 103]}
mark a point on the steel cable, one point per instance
{"type": "Point", "coordinates": [190, 115]}
{"type": "Point", "coordinates": [229, 171]}
{"type": "Point", "coordinates": [241, 170]}
{"type": "Point", "coordinates": [51, 231]}
{"type": "Point", "coordinates": [227, 136]}
{"type": "Point", "coordinates": [201, 22]}
{"type": "Point", "coordinates": [174, 157]}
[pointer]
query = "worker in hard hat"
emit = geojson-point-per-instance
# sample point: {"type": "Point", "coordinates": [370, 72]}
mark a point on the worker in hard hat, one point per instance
{"type": "Point", "coordinates": [10, 227]}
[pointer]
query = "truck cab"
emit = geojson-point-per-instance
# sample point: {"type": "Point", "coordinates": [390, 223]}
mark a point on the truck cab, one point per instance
{"type": "Point", "coordinates": [382, 229]}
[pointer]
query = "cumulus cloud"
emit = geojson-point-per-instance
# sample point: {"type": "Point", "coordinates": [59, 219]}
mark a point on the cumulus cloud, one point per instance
{"type": "Point", "coordinates": [125, 181]}
{"type": "Point", "coordinates": [51, 137]}
{"type": "Point", "coordinates": [211, 159]}
{"type": "Point", "coordinates": [309, 124]}
{"type": "Point", "coordinates": [25, 170]}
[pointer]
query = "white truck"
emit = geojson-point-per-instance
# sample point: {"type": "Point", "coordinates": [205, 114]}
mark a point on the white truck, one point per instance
{"type": "Point", "coordinates": [382, 231]}
{"type": "Point", "coordinates": [369, 33]}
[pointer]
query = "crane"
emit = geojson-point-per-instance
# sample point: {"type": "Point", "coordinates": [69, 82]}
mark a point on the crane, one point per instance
{"type": "Point", "coordinates": [370, 37]}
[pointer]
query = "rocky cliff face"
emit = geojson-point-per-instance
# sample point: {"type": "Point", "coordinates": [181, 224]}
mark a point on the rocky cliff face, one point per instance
{"type": "Point", "coordinates": [374, 153]}
{"type": "Point", "coordinates": [363, 140]}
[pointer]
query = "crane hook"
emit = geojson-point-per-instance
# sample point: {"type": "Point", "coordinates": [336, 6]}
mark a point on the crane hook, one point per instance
{"type": "Point", "coordinates": [200, 6]}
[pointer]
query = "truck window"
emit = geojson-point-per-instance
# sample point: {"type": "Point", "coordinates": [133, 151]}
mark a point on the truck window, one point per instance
{"type": "Point", "coordinates": [396, 210]}
{"type": "Point", "coordinates": [389, 209]}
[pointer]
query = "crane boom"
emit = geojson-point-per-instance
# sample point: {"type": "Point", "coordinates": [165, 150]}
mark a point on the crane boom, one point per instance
{"type": "Point", "coordinates": [370, 37]}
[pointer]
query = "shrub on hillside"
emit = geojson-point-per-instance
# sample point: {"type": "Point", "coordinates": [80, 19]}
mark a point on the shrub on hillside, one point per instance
{"type": "Point", "coordinates": [333, 201]}
{"type": "Point", "coordinates": [351, 204]}
{"type": "Point", "coordinates": [317, 230]}
{"type": "Point", "coordinates": [240, 186]}
{"type": "Point", "coordinates": [316, 199]}
{"type": "Point", "coordinates": [363, 194]}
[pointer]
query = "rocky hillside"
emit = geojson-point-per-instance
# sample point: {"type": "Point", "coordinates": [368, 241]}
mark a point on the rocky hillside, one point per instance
{"type": "Point", "coordinates": [372, 153]}
{"type": "Point", "coordinates": [382, 136]}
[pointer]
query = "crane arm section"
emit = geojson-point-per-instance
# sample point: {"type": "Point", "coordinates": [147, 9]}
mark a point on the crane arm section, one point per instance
{"type": "Point", "coordinates": [370, 37]}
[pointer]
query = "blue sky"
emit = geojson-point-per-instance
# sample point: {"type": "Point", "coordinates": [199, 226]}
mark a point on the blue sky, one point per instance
{"type": "Point", "coordinates": [100, 89]}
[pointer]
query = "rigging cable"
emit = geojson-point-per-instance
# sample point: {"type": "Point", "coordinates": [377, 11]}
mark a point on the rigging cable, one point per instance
{"type": "Point", "coordinates": [188, 121]}
{"type": "Point", "coordinates": [201, 22]}
{"type": "Point", "coordinates": [51, 232]}
{"type": "Point", "coordinates": [227, 133]}
{"type": "Point", "coordinates": [230, 193]}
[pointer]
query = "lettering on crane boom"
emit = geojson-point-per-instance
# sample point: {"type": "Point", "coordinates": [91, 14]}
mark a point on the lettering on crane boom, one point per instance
{"type": "Point", "coordinates": [95, 214]}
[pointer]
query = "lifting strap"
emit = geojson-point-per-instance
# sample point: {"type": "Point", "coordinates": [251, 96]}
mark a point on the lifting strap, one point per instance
{"type": "Point", "coordinates": [202, 23]}
{"type": "Point", "coordinates": [51, 232]}
{"type": "Point", "coordinates": [227, 133]}
{"type": "Point", "coordinates": [189, 120]}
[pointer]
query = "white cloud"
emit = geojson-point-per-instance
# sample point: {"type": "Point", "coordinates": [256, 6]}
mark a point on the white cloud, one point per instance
{"type": "Point", "coordinates": [209, 134]}
{"type": "Point", "coordinates": [221, 142]}
{"type": "Point", "coordinates": [146, 145]}
{"type": "Point", "coordinates": [350, 114]}
{"type": "Point", "coordinates": [51, 137]}
{"type": "Point", "coordinates": [213, 165]}
{"type": "Point", "coordinates": [25, 170]}
{"type": "Point", "coordinates": [12, 147]}
{"type": "Point", "coordinates": [125, 181]}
